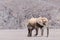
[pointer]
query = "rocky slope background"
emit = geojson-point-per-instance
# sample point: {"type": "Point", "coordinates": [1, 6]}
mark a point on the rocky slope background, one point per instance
{"type": "Point", "coordinates": [15, 13]}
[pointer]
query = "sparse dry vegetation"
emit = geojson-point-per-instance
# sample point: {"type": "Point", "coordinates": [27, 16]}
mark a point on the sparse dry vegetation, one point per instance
{"type": "Point", "coordinates": [14, 13]}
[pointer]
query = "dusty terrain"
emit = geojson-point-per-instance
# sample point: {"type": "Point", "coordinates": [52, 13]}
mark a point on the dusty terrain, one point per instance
{"type": "Point", "coordinates": [21, 34]}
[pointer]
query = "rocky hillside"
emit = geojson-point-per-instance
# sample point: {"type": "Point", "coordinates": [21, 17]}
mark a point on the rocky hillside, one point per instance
{"type": "Point", "coordinates": [14, 13]}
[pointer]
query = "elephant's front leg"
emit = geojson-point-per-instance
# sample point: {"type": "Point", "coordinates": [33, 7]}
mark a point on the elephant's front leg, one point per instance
{"type": "Point", "coordinates": [42, 30]}
{"type": "Point", "coordinates": [47, 31]}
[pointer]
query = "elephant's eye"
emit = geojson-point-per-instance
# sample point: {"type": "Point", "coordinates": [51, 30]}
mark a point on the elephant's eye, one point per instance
{"type": "Point", "coordinates": [44, 24]}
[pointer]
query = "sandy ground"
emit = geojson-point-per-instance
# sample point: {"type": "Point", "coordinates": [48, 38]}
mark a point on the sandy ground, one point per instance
{"type": "Point", "coordinates": [21, 34]}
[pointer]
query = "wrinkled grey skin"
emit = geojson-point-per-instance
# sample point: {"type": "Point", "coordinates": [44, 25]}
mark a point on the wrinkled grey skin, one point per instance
{"type": "Point", "coordinates": [36, 26]}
